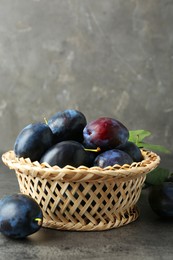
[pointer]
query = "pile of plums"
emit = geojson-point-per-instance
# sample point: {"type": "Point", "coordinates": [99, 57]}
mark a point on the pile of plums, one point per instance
{"type": "Point", "coordinates": [67, 139]}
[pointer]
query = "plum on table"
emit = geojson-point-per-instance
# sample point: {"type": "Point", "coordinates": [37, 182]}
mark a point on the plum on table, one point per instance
{"type": "Point", "coordinates": [20, 216]}
{"type": "Point", "coordinates": [161, 199]}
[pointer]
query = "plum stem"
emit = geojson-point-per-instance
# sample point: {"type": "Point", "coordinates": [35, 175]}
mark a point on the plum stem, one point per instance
{"type": "Point", "coordinates": [93, 150]}
{"type": "Point", "coordinates": [38, 220]}
{"type": "Point", "coordinates": [45, 120]}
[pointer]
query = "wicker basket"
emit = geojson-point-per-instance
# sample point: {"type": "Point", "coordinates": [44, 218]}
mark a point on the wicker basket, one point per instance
{"type": "Point", "coordinates": [83, 198]}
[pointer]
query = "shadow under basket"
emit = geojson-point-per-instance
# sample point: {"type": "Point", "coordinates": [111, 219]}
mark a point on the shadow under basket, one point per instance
{"type": "Point", "coordinates": [83, 199]}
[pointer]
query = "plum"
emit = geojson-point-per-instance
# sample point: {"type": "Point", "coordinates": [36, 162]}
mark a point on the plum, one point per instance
{"type": "Point", "coordinates": [161, 199]}
{"type": "Point", "coordinates": [20, 216]}
{"type": "Point", "coordinates": [33, 141]}
{"type": "Point", "coordinates": [112, 157]}
{"type": "Point", "coordinates": [169, 178]}
{"type": "Point", "coordinates": [106, 133]}
{"type": "Point", "coordinates": [67, 153]}
{"type": "Point", "coordinates": [132, 149]}
{"type": "Point", "coordinates": [68, 125]}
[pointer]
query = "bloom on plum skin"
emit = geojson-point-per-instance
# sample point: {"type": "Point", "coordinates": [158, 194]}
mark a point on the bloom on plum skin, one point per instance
{"type": "Point", "coordinates": [20, 216]}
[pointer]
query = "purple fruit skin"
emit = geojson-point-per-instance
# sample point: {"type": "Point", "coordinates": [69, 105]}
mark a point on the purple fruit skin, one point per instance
{"type": "Point", "coordinates": [67, 153]}
{"type": "Point", "coordinates": [33, 141]}
{"type": "Point", "coordinates": [17, 215]}
{"type": "Point", "coordinates": [133, 150]}
{"type": "Point", "coordinates": [106, 133]}
{"type": "Point", "coordinates": [67, 125]}
{"type": "Point", "coordinates": [112, 157]}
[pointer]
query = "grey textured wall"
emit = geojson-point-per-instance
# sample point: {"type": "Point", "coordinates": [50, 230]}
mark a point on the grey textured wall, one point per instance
{"type": "Point", "coordinates": [106, 58]}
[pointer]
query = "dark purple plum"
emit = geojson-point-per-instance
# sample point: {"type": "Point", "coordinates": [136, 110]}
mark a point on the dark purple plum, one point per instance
{"type": "Point", "coordinates": [33, 141]}
{"type": "Point", "coordinates": [161, 199]}
{"type": "Point", "coordinates": [92, 156]}
{"type": "Point", "coordinates": [112, 157]}
{"type": "Point", "coordinates": [67, 153]}
{"type": "Point", "coordinates": [106, 133]}
{"type": "Point", "coordinates": [68, 125]}
{"type": "Point", "coordinates": [169, 178]}
{"type": "Point", "coordinates": [20, 216]}
{"type": "Point", "coordinates": [133, 150]}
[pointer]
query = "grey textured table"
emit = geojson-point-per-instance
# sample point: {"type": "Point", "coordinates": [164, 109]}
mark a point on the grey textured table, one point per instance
{"type": "Point", "coordinates": [146, 238]}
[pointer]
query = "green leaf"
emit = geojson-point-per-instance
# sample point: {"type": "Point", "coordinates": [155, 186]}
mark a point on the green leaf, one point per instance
{"type": "Point", "coordinates": [157, 176]}
{"type": "Point", "coordinates": [137, 136]}
{"type": "Point", "coordinates": [154, 147]}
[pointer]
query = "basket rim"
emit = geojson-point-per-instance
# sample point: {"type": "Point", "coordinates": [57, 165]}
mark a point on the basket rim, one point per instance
{"type": "Point", "coordinates": [82, 173]}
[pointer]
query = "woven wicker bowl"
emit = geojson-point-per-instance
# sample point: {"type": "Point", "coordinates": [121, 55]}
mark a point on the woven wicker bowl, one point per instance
{"type": "Point", "coordinates": [83, 198]}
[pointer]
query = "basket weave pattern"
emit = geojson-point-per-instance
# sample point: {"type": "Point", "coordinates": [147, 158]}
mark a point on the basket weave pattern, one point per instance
{"type": "Point", "coordinates": [83, 198]}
